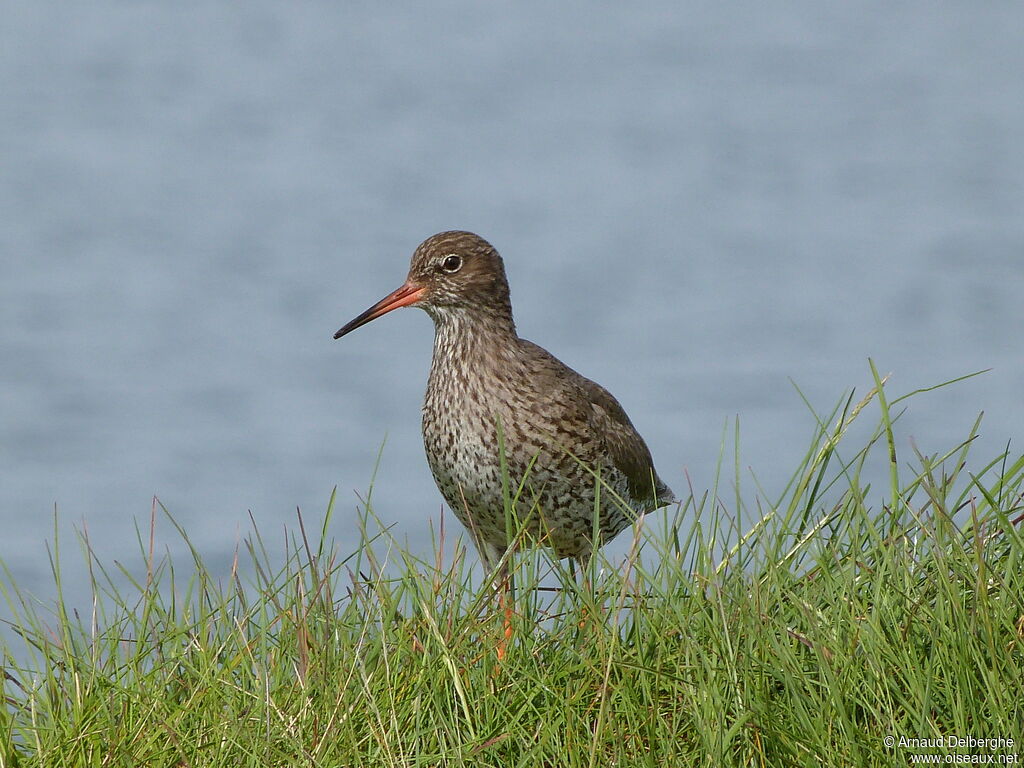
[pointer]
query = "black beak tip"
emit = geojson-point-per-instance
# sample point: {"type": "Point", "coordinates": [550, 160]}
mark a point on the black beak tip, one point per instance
{"type": "Point", "coordinates": [339, 333]}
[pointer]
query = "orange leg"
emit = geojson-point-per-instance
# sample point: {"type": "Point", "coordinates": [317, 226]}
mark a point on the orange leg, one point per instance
{"type": "Point", "coordinates": [504, 583]}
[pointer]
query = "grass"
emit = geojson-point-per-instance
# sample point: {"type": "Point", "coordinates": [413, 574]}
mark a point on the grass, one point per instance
{"type": "Point", "coordinates": [841, 617]}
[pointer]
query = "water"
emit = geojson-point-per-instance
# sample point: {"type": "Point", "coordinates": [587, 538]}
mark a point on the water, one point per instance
{"type": "Point", "coordinates": [696, 204]}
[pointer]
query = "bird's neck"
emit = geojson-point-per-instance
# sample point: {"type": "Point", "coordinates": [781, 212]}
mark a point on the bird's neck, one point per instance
{"type": "Point", "coordinates": [473, 339]}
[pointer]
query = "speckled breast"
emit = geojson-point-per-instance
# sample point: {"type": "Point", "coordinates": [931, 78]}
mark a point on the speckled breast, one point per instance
{"type": "Point", "coordinates": [556, 501]}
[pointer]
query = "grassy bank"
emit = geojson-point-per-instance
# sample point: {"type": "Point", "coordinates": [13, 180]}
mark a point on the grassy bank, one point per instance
{"type": "Point", "coordinates": [838, 616]}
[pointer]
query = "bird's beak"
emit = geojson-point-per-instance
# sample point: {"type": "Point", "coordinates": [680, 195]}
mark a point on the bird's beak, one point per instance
{"type": "Point", "coordinates": [405, 296]}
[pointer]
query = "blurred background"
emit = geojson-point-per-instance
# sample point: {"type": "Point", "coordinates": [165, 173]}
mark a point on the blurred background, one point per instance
{"type": "Point", "coordinates": [698, 205]}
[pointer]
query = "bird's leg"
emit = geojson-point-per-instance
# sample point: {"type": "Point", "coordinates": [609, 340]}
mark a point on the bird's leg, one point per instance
{"type": "Point", "coordinates": [496, 563]}
{"type": "Point", "coordinates": [584, 588]}
{"type": "Point", "coordinates": [584, 560]}
{"type": "Point", "coordinates": [507, 608]}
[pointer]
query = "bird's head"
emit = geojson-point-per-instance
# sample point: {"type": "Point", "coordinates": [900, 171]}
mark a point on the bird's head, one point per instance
{"type": "Point", "coordinates": [452, 273]}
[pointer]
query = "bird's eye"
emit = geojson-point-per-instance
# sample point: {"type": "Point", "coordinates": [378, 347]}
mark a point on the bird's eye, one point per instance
{"type": "Point", "coordinates": [451, 263]}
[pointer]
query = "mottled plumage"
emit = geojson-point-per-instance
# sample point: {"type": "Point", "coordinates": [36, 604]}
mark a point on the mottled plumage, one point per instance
{"type": "Point", "coordinates": [559, 430]}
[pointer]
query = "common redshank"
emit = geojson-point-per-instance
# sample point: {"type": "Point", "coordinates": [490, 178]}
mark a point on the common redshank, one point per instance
{"type": "Point", "coordinates": [503, 418]}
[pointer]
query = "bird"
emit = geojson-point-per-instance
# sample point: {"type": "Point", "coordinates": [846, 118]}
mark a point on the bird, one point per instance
{"type": "Point", "coordinates": [509, 427]}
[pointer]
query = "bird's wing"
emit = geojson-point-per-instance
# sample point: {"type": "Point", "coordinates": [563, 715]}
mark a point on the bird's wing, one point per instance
{"type": "Point", "coordinates": [622, 443]}
{"type": "Point", "coordinates": [626, 447]}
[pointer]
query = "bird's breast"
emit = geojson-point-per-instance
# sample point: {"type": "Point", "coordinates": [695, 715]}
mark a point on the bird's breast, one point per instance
{"type": "Point", "coordinates": [460, 438]}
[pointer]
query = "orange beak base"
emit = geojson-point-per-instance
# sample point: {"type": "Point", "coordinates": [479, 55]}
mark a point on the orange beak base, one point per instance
{"type": "Point", "coordinates": [405, 296]}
